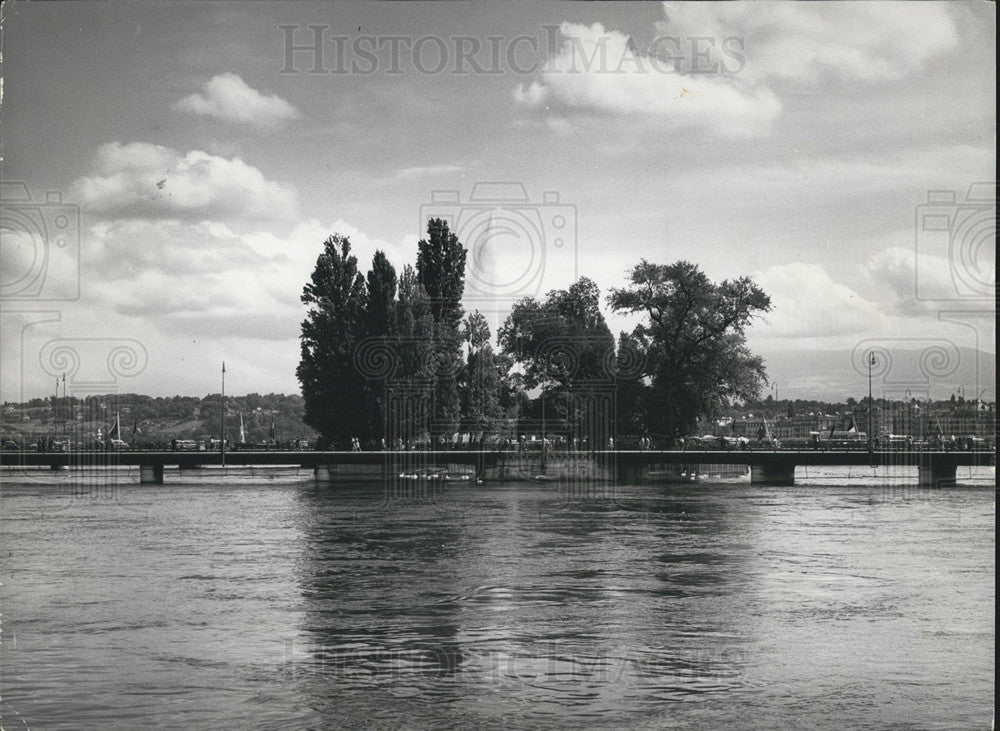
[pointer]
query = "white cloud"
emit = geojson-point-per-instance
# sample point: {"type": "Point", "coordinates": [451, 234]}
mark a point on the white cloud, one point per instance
{"type": "Point", "coordinates": [229, 98]}
{"type": "Point", "coordinates": [923, 282]}
{"type": "Point", "coordinates": [868, 42]}
{"type": "Point", "coordinates": [599, 71]}
{"type": "Point", "coordinates": [149, 181]}
{"type": "Point", "coordinates": [722, 66]}
{"type": "Point", "coordinates": [426, 171]}
{"type": "Point", "coordinates": [205, 278]}
{"type": "Point", "coordinates": [806, 301]}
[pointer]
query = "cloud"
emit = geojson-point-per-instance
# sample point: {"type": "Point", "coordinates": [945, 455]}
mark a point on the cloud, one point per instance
{"type": "Point", "coordinates": [600, 72]}
{"type": "Point", "coordinates": [867, 42]}
{"type": "Point", "coordinates": [725, 66]}
{"type": "Point", "coordinates": [921, 283]}
{"type": "Point", "coordinates": [208, 279]}
{"type": "Point", "coordinates": [426, 171]}
{"type": "Point", "coordinates": [229, 98]}
{"type": "Point", "coordinates": [806, 302]}
{"type": "Point", "coordinates": [149, 181]}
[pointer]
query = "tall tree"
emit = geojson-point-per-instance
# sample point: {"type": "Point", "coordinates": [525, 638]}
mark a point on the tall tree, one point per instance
{"type": "Point", "coordinates": [331, 385]}
{"type": "Point", "coordinates": [562, 340]}
{"type": "Point", "coordinates": [693, 341]}
{"type": "Point", "coordinates": [379, 322]}
{"type": "Point", "coordinates": [481, 380]}
{"type": "Point", "coordinates": [380, 295]}
{"type": "Point", "coordinates": [441, 270]}
{"type": "Point", "coordinates": [563, 345]}
{"type": "Point", "coordinates": [632, 391]}
{"type": "Point", "coordinates": [413, 351]}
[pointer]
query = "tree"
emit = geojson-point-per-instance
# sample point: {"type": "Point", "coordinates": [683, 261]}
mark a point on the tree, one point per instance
{"type": "Point", "coordinates": [441, 271]}
{"type": "Point", "coordinates": [332, 387]}
{"type": "Point", "coordinates": [693, 338]}
{"type": "Point", "coordinates": [482, 377]}
{"type": "Point", "coordinates": [414, 359]}
{"type": "Point", "coordinates": [380, 295]}
{"type": "Point", "coordinates": [441, 268]}
{"type": "Point", "coordinates": [632, 391]}
{"type": "Point", "coordinates": [379, 322]}
{"type": "Point", "coordinates": [561, 340]}
{"type": "Point", "coordinates": [564, 345]}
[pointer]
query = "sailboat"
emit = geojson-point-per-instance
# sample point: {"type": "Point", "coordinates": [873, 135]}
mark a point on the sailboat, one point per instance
{"type": "Point", "coordinates": [243, 436]}
{"type": "Point", "coordinates": [114, 435]}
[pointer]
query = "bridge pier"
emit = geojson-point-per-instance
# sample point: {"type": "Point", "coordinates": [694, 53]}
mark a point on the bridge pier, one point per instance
{"type": "Point", "coordinates": [936, 474]}
{"type": "Point", "coordinates": [772, 474]}
{"type": "Point", "coordinates": [151, 474]}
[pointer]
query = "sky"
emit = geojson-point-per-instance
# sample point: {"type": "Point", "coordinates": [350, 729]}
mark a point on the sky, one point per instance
{"type": "Point", "coordinates": [171, 171]}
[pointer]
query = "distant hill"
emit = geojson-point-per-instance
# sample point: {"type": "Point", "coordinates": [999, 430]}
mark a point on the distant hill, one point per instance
{"type": "Point", "coordinates": [148, 419]}
{"type": "Point", "coordinates": [834, 375]}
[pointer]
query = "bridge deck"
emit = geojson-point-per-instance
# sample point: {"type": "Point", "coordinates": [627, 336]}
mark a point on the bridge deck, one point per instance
{"type": "Point", "coordinates": [312, 459]}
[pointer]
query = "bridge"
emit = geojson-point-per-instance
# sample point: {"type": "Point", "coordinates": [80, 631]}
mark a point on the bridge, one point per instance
{"type": "Point", "coordinates": [771, 467]}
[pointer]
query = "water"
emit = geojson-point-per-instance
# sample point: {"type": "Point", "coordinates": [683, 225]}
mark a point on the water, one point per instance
{"type": "Point", "coordinates": [254, 599]}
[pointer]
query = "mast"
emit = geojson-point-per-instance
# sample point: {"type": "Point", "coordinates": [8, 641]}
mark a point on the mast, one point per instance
{"type": "Point", "coordinates": [222, 409]}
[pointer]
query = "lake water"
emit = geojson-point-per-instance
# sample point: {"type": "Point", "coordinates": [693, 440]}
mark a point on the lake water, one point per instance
{"type": "Point", "coordinates": [254, 599]}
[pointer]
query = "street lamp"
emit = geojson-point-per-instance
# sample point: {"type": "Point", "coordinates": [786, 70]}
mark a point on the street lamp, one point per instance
{"type": "Point", "coordinates": [222, 436]}
{"type": "Point", "coordinates": [871, 362]}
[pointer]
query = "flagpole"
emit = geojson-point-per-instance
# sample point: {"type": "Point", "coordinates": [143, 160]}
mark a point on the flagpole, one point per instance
{"type": "Point", "coordinates": [223, 409]}
{"type": "Point", "coordinates": [871, 362]}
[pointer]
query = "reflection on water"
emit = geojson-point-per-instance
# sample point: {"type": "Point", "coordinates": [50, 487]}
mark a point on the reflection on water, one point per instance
{"type": "Point", "coordinates": [257, 599]}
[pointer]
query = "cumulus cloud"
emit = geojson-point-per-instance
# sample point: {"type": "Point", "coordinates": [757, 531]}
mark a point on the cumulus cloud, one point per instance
{"type": "Point", "coordinates": [867, 42]}
{"type": "Point", "coordinates": [149, 181]}
{"type": "Point", "coordinates": [600, 72]}
{"type": "Point", "coordinates": [229, 98]}
{"type": "Point", "coordinates": [807, 301]}
{"type": "Point", "coordinates": [920, 281]}
{"type": "Point", "coordinates": [207, 278]}
{"type": "Point", "coordinates": [722, 66]}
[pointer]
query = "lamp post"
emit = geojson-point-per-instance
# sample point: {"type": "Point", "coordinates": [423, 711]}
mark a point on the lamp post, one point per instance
{"type": "Point", "coordinates": [871, 362]}
{"type": "Point", "coordinates": [55, 403]}
{"type": "Point", "coordinates": [222, 409]}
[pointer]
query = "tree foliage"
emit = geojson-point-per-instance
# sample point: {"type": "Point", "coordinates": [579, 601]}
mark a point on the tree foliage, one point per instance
{"type": "Point", "coordinates": [559, 341]}
{"type": "Point", "coordinates": [331, 386]}
{"type": "Point", "coordinates": [563, 345]}
{"type": "Point", "coordinates": [692, 341]}
{"type": "Point", "coordinates": [441, 271]}
{"type": "Point", "coordinates": [482, 380]}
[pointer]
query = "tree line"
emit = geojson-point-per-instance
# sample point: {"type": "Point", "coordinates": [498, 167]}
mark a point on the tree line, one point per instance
{"type": "Point", "coordinates": [391, 357]}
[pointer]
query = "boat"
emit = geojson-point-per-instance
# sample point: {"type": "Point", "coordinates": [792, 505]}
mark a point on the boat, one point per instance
{"type": "Point", "coordinates": [439, 474]}
{"type": "Point", "coordinates": [546, 478]}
